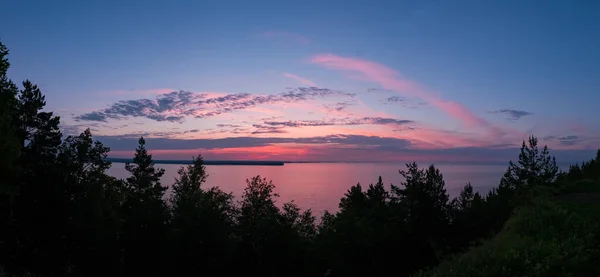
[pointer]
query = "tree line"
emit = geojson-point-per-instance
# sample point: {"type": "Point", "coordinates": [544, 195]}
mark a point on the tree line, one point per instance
{"type": "Point", "coordinates": [63, 215]}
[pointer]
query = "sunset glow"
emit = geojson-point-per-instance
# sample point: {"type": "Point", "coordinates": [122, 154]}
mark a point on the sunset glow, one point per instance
{"type": "Point", "coordinates": [318, 88]}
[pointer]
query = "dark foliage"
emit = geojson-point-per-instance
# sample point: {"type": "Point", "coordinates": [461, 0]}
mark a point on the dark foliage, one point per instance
{"type": "Point", "coordinates": [555, 234]}
{"type": "Point", "coordinates": [201, 225]}
{"type": "Point", "coordinates": [145, 217]}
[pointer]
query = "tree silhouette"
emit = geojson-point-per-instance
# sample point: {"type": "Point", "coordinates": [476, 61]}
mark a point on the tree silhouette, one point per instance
{"type": "Point", "coordinates": [258, 227]}
{"type": "Point", "coordinates": [92, 216]}
{"type": "Point", "coordinates": [202, 223]}
{"type": "Point", "coordinates": [534, 167]}
{"type": "Point", "coordinates": [9, 147]}
{"type": "Point", "coordinates": [41, 204]}
{"type": "Point", "coordinates": [146, 216]}
{"type": "Point", "coordinates": [425, 198]}
{"type": "Point", "coordinates": [468, 219]}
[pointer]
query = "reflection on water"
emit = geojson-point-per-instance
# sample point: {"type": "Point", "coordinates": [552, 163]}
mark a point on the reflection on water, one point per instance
{"type": "Point", "coordinates": [319, 186]}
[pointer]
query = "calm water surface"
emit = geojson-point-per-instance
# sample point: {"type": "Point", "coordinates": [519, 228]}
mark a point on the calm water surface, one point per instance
{"type": "Point", "coordinates": [319, 186]}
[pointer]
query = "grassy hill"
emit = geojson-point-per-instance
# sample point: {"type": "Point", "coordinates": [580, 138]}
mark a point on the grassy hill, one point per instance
{"type": "Point", "coordinates": [555, 235]}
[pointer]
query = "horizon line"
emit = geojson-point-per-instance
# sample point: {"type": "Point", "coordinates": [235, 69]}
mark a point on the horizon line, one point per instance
{"type": "Point", "coordinates": [283, 162]}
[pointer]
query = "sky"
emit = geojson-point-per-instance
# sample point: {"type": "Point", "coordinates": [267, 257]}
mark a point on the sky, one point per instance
{"type": "Point", "coordinates": [316, 80]}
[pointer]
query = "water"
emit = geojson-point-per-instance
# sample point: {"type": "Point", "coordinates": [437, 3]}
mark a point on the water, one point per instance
{"type": "Point", "coordinates": [319, 186]}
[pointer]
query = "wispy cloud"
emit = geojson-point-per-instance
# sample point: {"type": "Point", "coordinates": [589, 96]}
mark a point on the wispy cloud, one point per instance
{"type": "Point", "coordinates": [287, 35]}
{"type": "Point", "coordinates": [513, 115]}
{"type": "Point", "coordinates": [301, 80]}
{"type": "Point", "coordinates": [566, 140]}
{"type": "Point", "coordinates": [125, 141]}
{"type": "Point", "coordinates": [176, 106]}
{"type": "Point", "coordinates": [395, 99]}
{"type": "Point", "coordinates": [379, 90]}
{"type": "Point", "coordinates": [158, 134]}
{"type": "Point", "coordinates": [337, 107]}
{"type": "Point", "coordinates": [166, 107]}
{"type": "Point", "coordinates": [403, 101]}
{"type": "Point", "coordinates": [265, 129]}
{"type": "Point", "coordinates": [229, 129]}
{"type": "Point", "coordinates": [392, 80]}
{"type": "Point", "coordinates": [332, 122]}
{"type": "Point", "coordinates": [76, 129]}
{"type": "Point", "coordinates": [229, 125]}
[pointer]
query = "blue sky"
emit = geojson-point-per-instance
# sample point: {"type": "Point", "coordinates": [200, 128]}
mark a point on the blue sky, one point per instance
{"type": "Point", "coordinates": [452, 74]}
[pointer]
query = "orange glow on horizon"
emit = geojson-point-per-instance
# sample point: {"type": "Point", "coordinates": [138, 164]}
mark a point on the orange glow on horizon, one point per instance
{"type": "Point", "coordinates": [308, 152]}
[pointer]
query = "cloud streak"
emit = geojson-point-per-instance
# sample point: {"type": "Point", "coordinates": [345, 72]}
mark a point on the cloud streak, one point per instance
{"type": "Point", "coordinates": [392, 80]}
{"type": "Point", "coordinates": [566, 140]}
{"type": "Point", "coordinates": [513, 115]}
{"type": "Point", "coordinates": [124, 142]}
{"type": "Point", "coordinates": [395, 99]}
{"type": "Point", "coordinates": [333, 122]}
{"type": "Point", "coordinates": [300, 80]}
{"type": "Point", "coordinates": [158, 134]}
{"type": "Point", "coordinates": [265, 129]}
{"type": "Point", "coordinates": [337, 107]}
{"type": "Point", "coordinates": [176, 106]}
{"type": "Point", "coordinates": [403, 101]}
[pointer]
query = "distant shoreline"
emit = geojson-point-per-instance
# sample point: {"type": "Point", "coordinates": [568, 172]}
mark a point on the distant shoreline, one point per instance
{"type": "Point", "coordinates": [282, 163]}
{"type": "Point", "coordinates": [223, 162]}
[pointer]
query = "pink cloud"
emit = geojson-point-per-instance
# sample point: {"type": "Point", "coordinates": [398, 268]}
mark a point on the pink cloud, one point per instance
{"type": "Point", "coordinates": [427, 138]}
{"type": "Point", "coordinates": [296, 37]}
{"type": "Point", "coordinates": [392, 80]}
{"type": "Point", "coordinates": [301, 80]}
